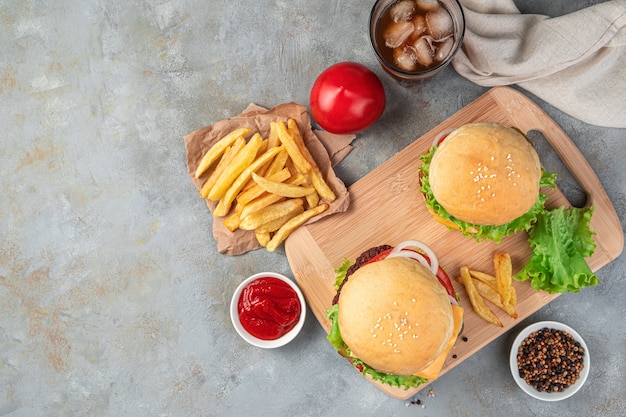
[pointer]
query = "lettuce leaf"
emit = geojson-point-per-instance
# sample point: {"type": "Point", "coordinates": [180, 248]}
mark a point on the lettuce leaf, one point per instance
{"type": "Point", "coordinates": [561, 239]}
{"type": "Point", "coordinates": [334, 337]}
{"type": "Point", "coordinates": [340, 273]}
{"type": "Point", "coordinates": [481, 233]}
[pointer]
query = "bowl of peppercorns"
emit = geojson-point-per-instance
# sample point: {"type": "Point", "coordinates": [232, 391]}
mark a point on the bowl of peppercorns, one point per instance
{"type": "Point", "coordinates": [549, 361]}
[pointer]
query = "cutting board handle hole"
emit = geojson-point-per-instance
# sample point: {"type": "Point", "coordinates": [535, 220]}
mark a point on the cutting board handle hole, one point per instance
{"type": "Point", "coordinates": [552, 162]}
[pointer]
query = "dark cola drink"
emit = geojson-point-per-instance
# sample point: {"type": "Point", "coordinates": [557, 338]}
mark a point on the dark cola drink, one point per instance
{"type": "Point", "coordinates": [415, 35]}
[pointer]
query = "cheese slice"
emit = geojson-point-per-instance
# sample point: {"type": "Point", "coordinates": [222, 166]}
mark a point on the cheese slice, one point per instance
{"type": "Point", "coordinates": [432, 371]}
{"type": "Point", "coordinates": [449, 223]}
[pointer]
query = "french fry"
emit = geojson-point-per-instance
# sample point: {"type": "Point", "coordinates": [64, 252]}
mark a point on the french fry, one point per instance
{"type": "Point", "coordinates": [232, 222]}
{"type": "Point", "coordinates": [494, 297]}
{"type": "Point", "coordinates": [226, 159]}
{"type": "Point", "coordinates": [278, 163]}
{"type": "Point", "coordinates": [268, 198]}
{"type": "Point", "coordinates": [275, 182]}
{"type": "Point", "coordinates": [269, 213]}
{"type": "Point", "coordinates": [312, 199]}
{"type": "Point", "coordinates": [241, 161]}
{"type": "Point", "coordinates": [274, 225]}
{"type": "Point", "coordinates": [273, 136]}
{"type": "Point", "coordinates": [260, 203]}
{"type": "Point", "coordinates": [255, 191]}
{"type": "Point", "coordinates": [484, 277]}
{"type": "Point", "coordinates": [262, 237]}
{"type": "Point", "coordinates": [490, 294]}
{"type": "Point", "coordinates": [223, 207]}
{"type": "Point", "coordinates": [218, 149]}
{"type": "Point", "coordinates": [503, 267]}
{"type": "Point", "coordinates": [513, 299]}
{"type": "Point", "coordinates": [478, 304]}
{"type": "Point", "coordinates": [317, 179]}
{"type": "Point", "coordinates": [292, 224]}
{"type": "Point", "coordinates": [282, 189]}
{"type": "Point", "coordinates": [491, 281]}
{"type": "Point", "coordinates": [299, 160]}
{"type": "Point", "coordinates": [322, 186]}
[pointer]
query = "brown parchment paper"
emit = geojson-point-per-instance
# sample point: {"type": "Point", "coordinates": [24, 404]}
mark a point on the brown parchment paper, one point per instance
{"type": "Point", "coordinates": [326, 148]}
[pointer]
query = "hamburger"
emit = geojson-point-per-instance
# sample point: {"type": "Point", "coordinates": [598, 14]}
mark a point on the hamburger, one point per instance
{"type": "Point", "coordinates": [485, 180]}
{"type": "Point", "coordinates": [395, 316]}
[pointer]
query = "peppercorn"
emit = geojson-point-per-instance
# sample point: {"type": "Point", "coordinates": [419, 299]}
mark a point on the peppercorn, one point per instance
{"type": "Point", "coordinates": [550, 360]}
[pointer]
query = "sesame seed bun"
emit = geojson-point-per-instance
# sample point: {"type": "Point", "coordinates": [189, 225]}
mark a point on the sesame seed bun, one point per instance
{"type": "Point", "coordinates": [485, 173]}
{"type": "Point", "coordinates": [395, 316]}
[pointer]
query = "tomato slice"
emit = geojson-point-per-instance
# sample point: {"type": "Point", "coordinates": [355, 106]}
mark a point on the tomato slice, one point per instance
{"type": "Point", "coordinates": [380, 256]}
{"type": "Point", "coordinates": [445, 282]}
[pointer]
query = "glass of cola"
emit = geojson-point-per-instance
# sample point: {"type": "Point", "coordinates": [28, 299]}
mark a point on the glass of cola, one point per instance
{"type": "Point", "coordinates": [416, 39]}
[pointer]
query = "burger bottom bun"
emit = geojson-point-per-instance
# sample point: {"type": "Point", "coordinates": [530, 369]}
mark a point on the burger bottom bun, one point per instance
{"type": "Point", "coordinates": [485, 174]}
{"type": "Point", "coordinates": [395, 316]}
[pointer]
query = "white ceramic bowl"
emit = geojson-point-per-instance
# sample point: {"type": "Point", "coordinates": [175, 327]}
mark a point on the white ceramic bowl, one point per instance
{"type": "Point", "coordinates": [548, 396]}
{"type": "Point", "coordinates": [255, 341]}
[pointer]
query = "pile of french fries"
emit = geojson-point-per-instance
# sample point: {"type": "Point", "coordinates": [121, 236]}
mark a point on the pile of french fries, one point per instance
{"type": "Point", "coordinates": [481, 286]}
{"type": "Point", "coordinates": [270, 186]}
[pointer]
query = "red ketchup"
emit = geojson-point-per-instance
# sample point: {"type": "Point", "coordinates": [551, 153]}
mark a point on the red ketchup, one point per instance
{"type": "Point", "coordinates": [268, 308]}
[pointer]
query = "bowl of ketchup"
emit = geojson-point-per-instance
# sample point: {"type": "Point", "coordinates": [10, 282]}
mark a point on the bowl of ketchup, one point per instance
{"type": "Point", "coordinates": [268, 310]}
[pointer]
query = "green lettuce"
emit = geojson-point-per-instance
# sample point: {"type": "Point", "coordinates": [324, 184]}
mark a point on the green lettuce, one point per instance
{"type": "Point", "coordinates": [340, 273]}
{"type": "Point", "coordinates": [561, 239]}
{"type": "Point", "coordinates": [481, 233]}
{"type": "Point", "coordinates": [334, 337]}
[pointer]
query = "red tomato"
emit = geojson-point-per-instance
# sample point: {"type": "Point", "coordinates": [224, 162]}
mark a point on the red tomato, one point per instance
{"type": "Point", "coordinates": [347, 98]}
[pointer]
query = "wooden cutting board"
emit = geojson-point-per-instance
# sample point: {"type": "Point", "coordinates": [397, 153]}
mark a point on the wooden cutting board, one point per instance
{"type": "Point", "coordinates": [386, 207]}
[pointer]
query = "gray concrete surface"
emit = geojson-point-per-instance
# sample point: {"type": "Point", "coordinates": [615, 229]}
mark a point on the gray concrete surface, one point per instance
{"type": "Point", "coordinates": [113, 299]}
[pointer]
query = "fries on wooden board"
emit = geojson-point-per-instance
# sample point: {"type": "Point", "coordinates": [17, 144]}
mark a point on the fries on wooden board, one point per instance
{"type": "Point", "coordinates": [496, 289]}
{"type": "Point", "coordinates": [270, 186]}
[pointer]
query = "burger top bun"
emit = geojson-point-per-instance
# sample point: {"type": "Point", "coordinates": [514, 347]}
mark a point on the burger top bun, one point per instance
{"type": "Point", "coordinates": [395, 316]}
{"type": "Point", "coordinates": [486, 174]}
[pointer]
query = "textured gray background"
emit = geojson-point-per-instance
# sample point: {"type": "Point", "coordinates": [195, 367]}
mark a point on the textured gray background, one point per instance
{"type": "Point", "coordinates": [113, 299]}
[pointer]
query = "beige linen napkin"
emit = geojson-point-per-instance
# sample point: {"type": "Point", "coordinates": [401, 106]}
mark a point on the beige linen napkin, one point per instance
{"type": "Point", "coordinates": [576, 62]}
